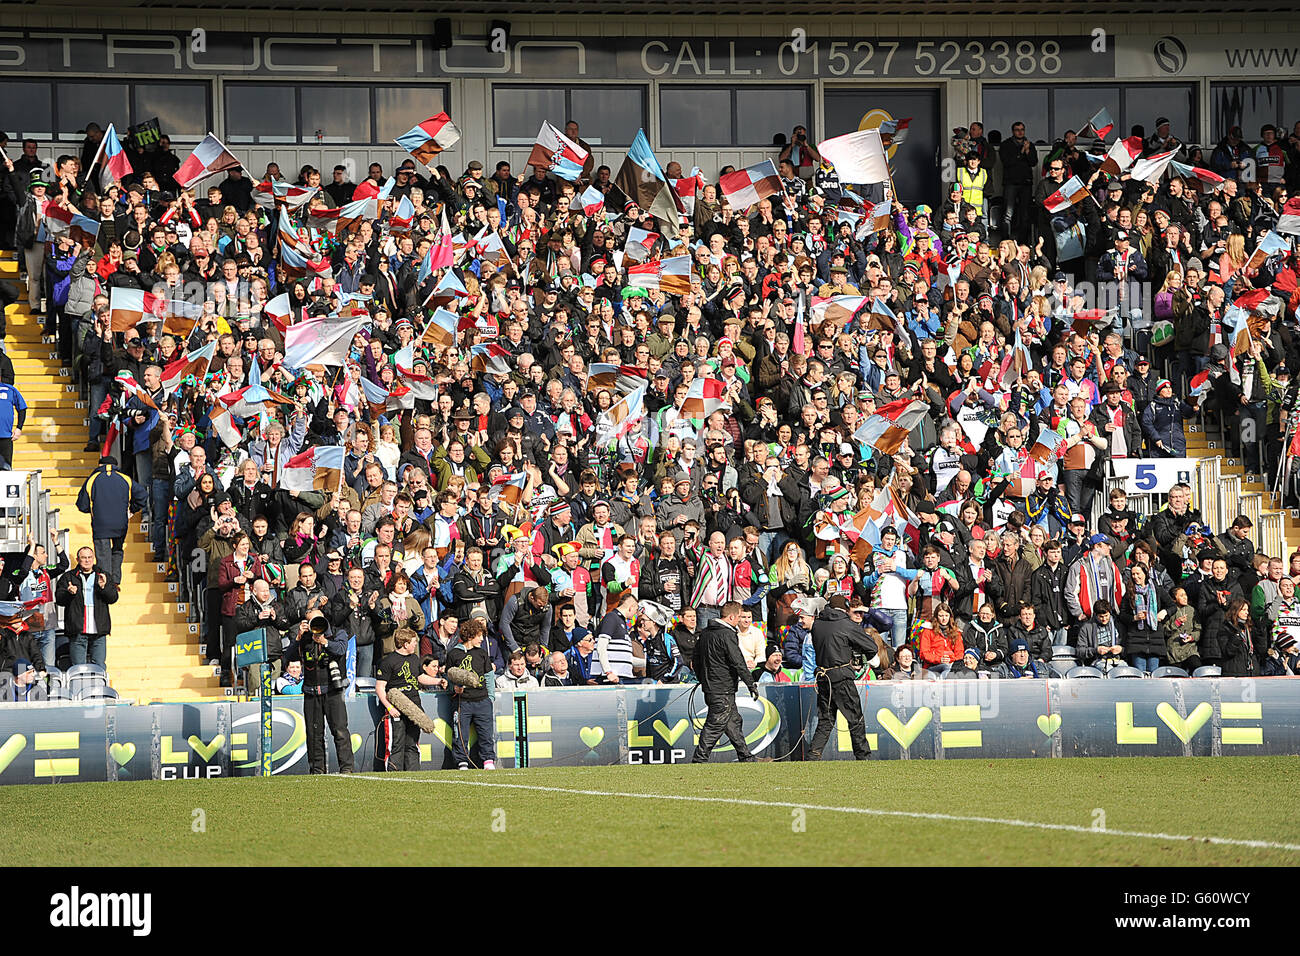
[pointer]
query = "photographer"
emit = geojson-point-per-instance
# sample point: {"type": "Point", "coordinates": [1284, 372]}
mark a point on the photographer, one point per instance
{"type": "Point", "coordinates": [321, 651]}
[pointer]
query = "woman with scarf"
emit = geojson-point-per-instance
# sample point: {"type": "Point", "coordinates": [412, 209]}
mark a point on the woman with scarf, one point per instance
{"type": "Point", "coordinates": [301, 543]}
{"type": "Point", "coordinates": [1143, 610]}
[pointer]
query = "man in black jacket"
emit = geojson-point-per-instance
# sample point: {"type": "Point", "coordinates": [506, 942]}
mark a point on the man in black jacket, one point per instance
{"type": "Point", "coordinates": [265, 611]}
{"type": "Point", "coordinates": [1169, 528]}
{"type": "Point", "coordinates": [353, 609]}
{"type": "Point", "coordinates": [836, 635]}
{"type": "Point", "coordinates": [316, 647]}
{"type": "Point", "coordinates": [526, 619]}
{"type": "Point", "coordinates": [109, 497]}
{"type": "Point", "coordinates": [1047, 592]}
{"type": "Point", "coordinates": [720, 667]}
{"type": "Point", "coordinates": [85, 592]}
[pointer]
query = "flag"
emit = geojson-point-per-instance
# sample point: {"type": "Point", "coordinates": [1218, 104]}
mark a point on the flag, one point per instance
{"type": "Point", "coordinates": [1047, 446]}
{"type": "Point", "coordinates": [882, 317]}
{"type": "Point", "coordinates": [321, 341]}
{"type": "Point", "coordinates": [1121, 155]}
{"type": "Point", "coordinates": [297, 265]}
{"type": "Point", "coordinates": [746, 187]}
{"type": "Point", "coordinates": [66, 221]}
{"type": "Point", "coordinates": [1196, 172]}
{"type": "Point", "coordinates": [639, 243]}
{"type": "Point", "coordinates": [858, 157]}
{"type": "Point", "coordinates": [14, 613]}
{"type": "Point", "coordinates": [642, 180]}
{"type": "Point", "coordinates": [686, 189]}
{"type": "Point", "coordinates": [195, 363]}
{"type": "Point", "coordinates": [126, 381]}
{"type": "Point", "coordinates": [556, 153]}
{"type": "Point", "coordinates": [368, 190]}
{"type": "Point", "coordinates": [178, 317]}
{"type": "Point", "coordinates": [703, 398]}
{"type": "Point", "coordinates": [489, 359]}
{"type": "Point", "coordinates": [670, 276]}
{"type": "Point", "coordinates": [1101, 123]}
{"type": "Point", "coordinates": [1150, 170]}
{"type": "Point", "coordinates": [447, 290]}
{"type": "Point", "coordinates": [839, 310]}
{"type": "Point", "coordinates": [893, 133]}
{"type": "Point", "coordinates": [887, 430]}
{"type": "Point", "coordinates": [592, 199]}
{"type": "Point", "coordinates": [128, 307]}
{"type": "Point", "coordinates": [399, 224]}
{"type": "Point", "coordinates": [319, 468]}
{"type": "Point", "coordinates": [1198, 384]}
{"type": "Point", "coordinates": [116, 165]}
{"type": "Point", "coordinates": [1289, 222]}
{"type": "Point", "coordinates": [222, 424]}
{"type": "Point", "coordinates": [376, 397]}
{"type": "Point", "coordinates": [429, 138]}
{"type": "Point", "coordinates": [878, 216]}
{"type": "Point", "coordinates": [209, 158]}
{"type": "Point", "coordinates": [278, 311]}
{"type": "Point", "coordinates": [1270, 244]}
{"type": "Point", "coordinates": [1072, 192]}
{"type": "Point", "coordinates": [441, 330]}
{"type": "Point", "coordinates": [617, 420]}
{"type": "Point", "coordinates": [510, 487]}
{"type": "Point", "coordinates": [440, 254]}
{"type": "Point", "coordinates": [251, 400]}
{"type": "Point", "coordinates": [271, 193]}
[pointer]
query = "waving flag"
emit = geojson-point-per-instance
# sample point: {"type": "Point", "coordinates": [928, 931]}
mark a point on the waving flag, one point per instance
{"type": "Point", "coordinates": [617, 420]}
{"type": "Point", "coordinates": [441, 330]}
{"type": "Point", "coordinates": [747, 186]}
{"type": "Point", "coordinates": [278, 311]}
{"type": "Point", "coordinates": [399, 224]}
{"type": "Point", "coordinates": [209, 158]}
{"type": "Point", "coordinates": [1196, 172]}
{"type": "Point", "coordinates": [489, 359]}
{"type": "Point", "coordinates": [1270, 244]}
{"type": "Point", "coordinates": [1289, 222]}
{"type": "Point", "coordinates": [670, 276]}
{"type": "Point", "coordinates": [839, 310]}
{"type": "Point", "coordinates": [893, 133]}
{"type": "Point", "coordinates": [639, 243]}
{"type": "Point", "coordinates": [116, 166]}
{"type": "Point", "coordinates": [440, 254]}
{"type": "Point", "coordinates": [128, 307]}
{"type": "Point", "coordinates": [703, 398]}
{"type": "Point", "coordinates": [1047, 446]}
{"type": "Point", "coordinates": [887, 430]}
{"type": "Point", "coordinates": [250, 401]}
{"type": "Point", "coordinates": [319, 468]}
{"type": "Point", "coordinates": [13, 614]}
{"type": "Point", "coordinates": [1072, 192]}
{"type": "Point", "coordinates": [195, 363]}
{"type": "Point", "coordinates": [878, 216]}
{"type": "Point", "coordinates": [321, 341]}
{"type": "Point", "coordinates": [592, 200]}
{"type": "Point", "coordinates": [448, 289]}
{"type": "Point", "coordinates": [641, 179]}
{"type": "Point", "coordinates": [1198, 384]}
{"type": "Point", "coordinates": [1150, 170]}
{"type": "Point", "coordinates": [126, 381]}
{"type": "Point", "coordinates": [556, 153]}
{"type": "Point", "coordinates": [430, 138]}
{"type": "Point", "coordinates": [882, 317]}
{"type": "Point", "coordinates": [1101, 123]}
{"type": "Point", "coordinates": [686, 189]}
{"type": "Point", "coordinates": [510, 487]}
{"type": "Point", "coordinates": [858, 157]}
{"type": "Point", "coordinates": [222, 424]}
{"type": "Point", "coordinates": [376, 397]}
{"type": "Point", "coordinates": [1121, 155]}
{"type": "Point", "coordinates": [273, 193]}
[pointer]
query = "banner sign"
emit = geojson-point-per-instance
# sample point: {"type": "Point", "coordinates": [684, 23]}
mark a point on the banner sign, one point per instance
{"type": "Point", "coordinates": [1153, 476]}
{"type": "Point", "coordinates": [242, 54]}
{"type": "Point", "coordinates": [145, 135]}
{"type": "Point", "coordinates": [659, 724]}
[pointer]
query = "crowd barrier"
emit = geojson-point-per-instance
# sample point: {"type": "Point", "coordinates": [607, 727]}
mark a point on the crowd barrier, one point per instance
{"type": "Point", "coordinates": [652, 724]}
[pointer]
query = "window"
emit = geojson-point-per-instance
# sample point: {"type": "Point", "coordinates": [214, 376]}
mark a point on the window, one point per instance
{"type": "Point", "coordinates": [82, 103]}
{"type": "Point", "coordinates": [327, 113]}
{"type": "Point", "coordinates": [734, 116]}
{"type": "Point", "coordinates": [1048, 111]}
{"type": "Point", "coordinates": [398, 108]}
{"type": "Point", "coordinates": [606, 115]}
{"type": "Point", "coordinates": [335, 114]}
{"type": "Point", "coordinates": [260, 114]}
{"type": "Point", "coordinates": [181, 108]}
{"type": "Point", "coordinates": [1250, 107]}
{"type": "Point", "coordinates": [27, 110]}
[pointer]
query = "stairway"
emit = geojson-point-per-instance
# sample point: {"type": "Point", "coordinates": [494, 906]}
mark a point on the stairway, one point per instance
{"type": "Point", "coordinates": [1199, 445]}
{"type": "Point", "coordinates": [153, 652]}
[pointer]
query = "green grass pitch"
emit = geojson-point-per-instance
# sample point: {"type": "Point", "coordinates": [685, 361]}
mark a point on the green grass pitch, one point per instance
{"type": "Point", "coordinates": [1032, 812]}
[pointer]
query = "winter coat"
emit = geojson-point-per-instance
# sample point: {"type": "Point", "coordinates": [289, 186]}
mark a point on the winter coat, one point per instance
{"type": "Point", "coordinates": [1181, 623]}
{"type": "Point", "coordinates": [1163, 421]}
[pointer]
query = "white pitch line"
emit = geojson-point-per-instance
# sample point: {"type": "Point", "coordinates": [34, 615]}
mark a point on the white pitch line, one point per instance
{"type": "Point", "coordinates": [866, 811]}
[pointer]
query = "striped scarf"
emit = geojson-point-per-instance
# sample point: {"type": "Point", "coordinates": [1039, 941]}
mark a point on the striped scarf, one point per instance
{"type": "Point", "coordinates": [705, 577]}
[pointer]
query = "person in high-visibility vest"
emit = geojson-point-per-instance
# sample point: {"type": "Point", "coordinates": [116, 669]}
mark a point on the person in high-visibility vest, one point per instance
{"type": "Point", "coordinates": [972, 180]}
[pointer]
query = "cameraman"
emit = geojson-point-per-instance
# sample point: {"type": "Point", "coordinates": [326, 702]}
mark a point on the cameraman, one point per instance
{"type": "Point", "coordinates": [321, 651]}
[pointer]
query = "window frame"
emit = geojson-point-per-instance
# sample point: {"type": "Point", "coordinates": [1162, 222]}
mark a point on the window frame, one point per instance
{"type": "Point", "coordinates": [515, 142]}
{"type": "Point", "coordinates": [1119, 87]}
{"type": "Point", "coordinates": [130, 84]}
{"type": "Point", "coordinates": [807, 90]}
{"type": "Point", "coordinates": [299, 140]}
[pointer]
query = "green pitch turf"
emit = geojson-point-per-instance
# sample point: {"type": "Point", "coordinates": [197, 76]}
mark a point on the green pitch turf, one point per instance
{"type": "Point", "coordinates": [800, 814]}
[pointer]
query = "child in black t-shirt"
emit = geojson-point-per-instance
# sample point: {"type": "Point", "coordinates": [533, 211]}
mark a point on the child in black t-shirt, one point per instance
{"type": "Point", "coordinates": [399, 673]}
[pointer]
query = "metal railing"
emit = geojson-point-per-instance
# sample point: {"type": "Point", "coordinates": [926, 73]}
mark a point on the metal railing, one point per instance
{"type": "Point", "coordinates": [1251, 505]}
{"type": "Point", "coordinates": [1272, 534]}
{"type": "Point", "coordinates": [1229, 495]}
{"type": "Point", "coordinates": [24, 510]}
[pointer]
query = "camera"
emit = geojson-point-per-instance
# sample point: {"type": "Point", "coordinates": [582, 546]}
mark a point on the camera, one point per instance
{"type": "Point", "coordinates": [338, 680]}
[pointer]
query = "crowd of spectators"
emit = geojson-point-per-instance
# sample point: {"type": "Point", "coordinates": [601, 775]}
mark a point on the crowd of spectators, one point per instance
{"type": "Point", "coordinates": [504, 489]}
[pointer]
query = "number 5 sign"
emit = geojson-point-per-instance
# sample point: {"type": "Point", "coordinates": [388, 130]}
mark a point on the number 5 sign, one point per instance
{"type": "Point", "coordinates": [1153, 475]}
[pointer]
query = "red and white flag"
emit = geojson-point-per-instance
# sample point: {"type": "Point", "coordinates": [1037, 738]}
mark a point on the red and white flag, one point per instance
{"type": "Point", "coordinates": [858, 157]}
{"type": "Point", "coordinates": [271, 193]}
{"type": "Point", "coordinates": [128, 307]}
{"type": "Point", "coordinates": [703, 398]}
{"type": "Point", "coordinates": [195, 363]}
{"type": "Point", "coordinates": [839, 310]}
{"type": "Point", "coordinates": [430, 138]}
{"type": "Point", "coordinates": [1150, 170]}
{"type": "Point", "coordinates": [209, 158]}
{"type": "Point", "coordinates": [556, 153]}
{"type": "Point", "coordinates": [1122, 155]}
{"type": "Point", "coordinates": [746, 187]}
{"type": "Point", "coordinates": [686, 189]}
{"type": "Point", "coordinates": [223, 425]}
{"type": "Point", "coordinates": [319, 468]}
{"type": "Point", "coordinates": [1289, 222]}
{"type": "Point", "coordinates": [887, 430]}
{"type": "Point", "coordinates": [670, 276]}
{"type": "Point", "coordinates": [639, 243]}
{"type": "Point", "coordinates": [510, 487]}
{"type": "Point", "coordinates": [1072, 192]}
{"type": "Point", "coordinates": [133, 388]}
